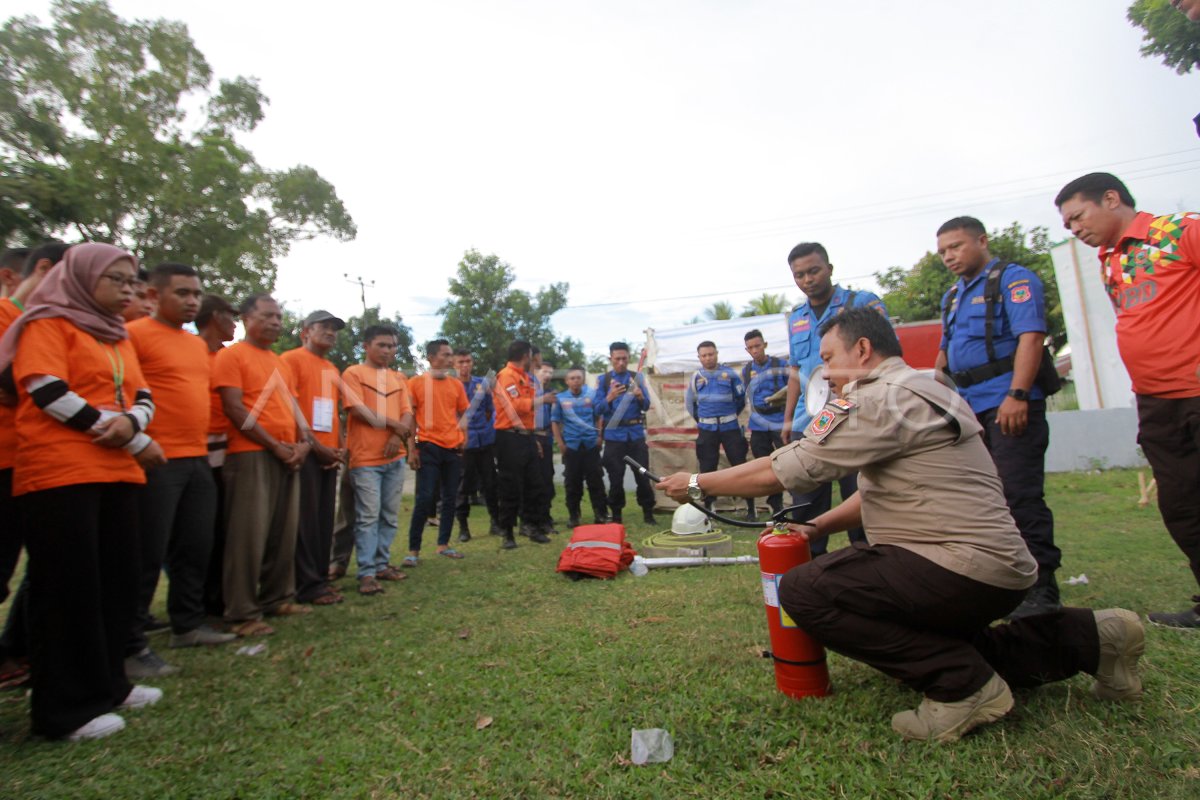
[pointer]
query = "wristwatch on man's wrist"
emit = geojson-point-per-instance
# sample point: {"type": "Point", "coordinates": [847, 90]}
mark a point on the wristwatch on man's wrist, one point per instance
{"type": "Point", "coordinates": [694, 490]}
{"type": "Point", "coordinates": [1018, 394]}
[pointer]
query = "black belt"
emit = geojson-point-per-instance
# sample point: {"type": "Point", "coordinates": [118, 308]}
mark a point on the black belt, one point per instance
{"type": "Point", "coordinates": [625, 423]}
{"type": "Point", "coordinates": [984, 372]}
{"type": "Point", "coordinates": [520, 431]}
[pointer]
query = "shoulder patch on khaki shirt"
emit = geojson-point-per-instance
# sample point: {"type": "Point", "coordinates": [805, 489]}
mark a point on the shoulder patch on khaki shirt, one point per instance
{"type": "Point", "coordinates": [826, 420]}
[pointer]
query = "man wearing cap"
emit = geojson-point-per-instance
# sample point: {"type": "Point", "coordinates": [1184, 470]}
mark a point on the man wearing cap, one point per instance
{"type": "Point", "coordinates": [945, 560]}
{"type": "Point", "coordinates": [714, 397]}
{"type": "Point", "coordinates": [317, 383]}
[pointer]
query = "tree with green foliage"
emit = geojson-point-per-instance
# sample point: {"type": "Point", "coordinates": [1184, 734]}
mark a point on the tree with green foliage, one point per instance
{"type": "Point", "coordinates": [1167, 33]}
{"type": "Point", "coordinates": [722, 309]}
{"type": "Point", "coordinates": [915, 294]}
{"type": "Point", "coordinates": [485, 314]}
{"type": "Point", "coordinates": [766, 303]}
{"type": "Point", "coordinates": [110, 131]}
{"type": "Point", "coordinates": [350, 347]}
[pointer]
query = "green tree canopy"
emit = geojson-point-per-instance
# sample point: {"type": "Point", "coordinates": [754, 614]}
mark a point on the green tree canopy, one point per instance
{"type": "Point", "coordinates": [767, 303]}
{"type": "Point", "coordinates": [1167, 33]}
{"type": "Point", "coordinates": [916, 293]}
{"type": "Point", "coordinates": [722, 309]}
{"type": "Point", "coordinates": [484, 314]}
{"type": "Point", "coordinates": [350, 346]}
{"type": "Point", "coordinates": [97, 142]}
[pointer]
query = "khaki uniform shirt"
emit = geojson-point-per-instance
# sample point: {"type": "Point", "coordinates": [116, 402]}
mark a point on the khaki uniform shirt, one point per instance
{"type": "Point", "coordinates": [926, 480]}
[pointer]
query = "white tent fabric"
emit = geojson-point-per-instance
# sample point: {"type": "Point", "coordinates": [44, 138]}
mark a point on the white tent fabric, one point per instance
{"type": "Point", "coordinates": [674, 350]}
{"type": "Point", "coordinates": [1101, 380]}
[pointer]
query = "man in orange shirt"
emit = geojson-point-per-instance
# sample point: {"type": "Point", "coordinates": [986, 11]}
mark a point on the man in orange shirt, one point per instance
{"type": "Point", "coordinates": [216, 323]}
{"type": "Point", "coordinates": [142, 305]}
{"type": "Point", "coordinates": [378, 421]}
{"type": "Point", "coordinates": [262, 488]}
{"type": "Point", "coordinates": [12, 266]}
{"type": "Point", "coordinates": [317, 386]}
{"type": "Point", "coordinates": [1151, 268]}
{"type": "Point", "coordinates": [14, 642]}
{"type": "Point", "coordinates": [439, 403]}
{"type": "Point", "coordinates": [519, 482]}
{"type": "Point", "coordinates": [179, 501]}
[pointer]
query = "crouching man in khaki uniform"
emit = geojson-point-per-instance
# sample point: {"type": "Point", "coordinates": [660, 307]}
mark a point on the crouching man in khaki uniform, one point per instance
{"type": "Point", "coordinates": [945, 559]}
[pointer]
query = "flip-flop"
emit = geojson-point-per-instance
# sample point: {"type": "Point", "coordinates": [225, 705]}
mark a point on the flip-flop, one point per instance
{"type": "Point", "coordinates": [390, 574]}
{"type": "Point", "coordinates": [410, 561]}
{"type": "Point", "coordinates": [450, 552]}
{"type": "Point", "coordinates": [253, 627]}
{"type": "Point", "coordinates": [289, 610]}
{"type": "Point", "coordinates": [327, 599]}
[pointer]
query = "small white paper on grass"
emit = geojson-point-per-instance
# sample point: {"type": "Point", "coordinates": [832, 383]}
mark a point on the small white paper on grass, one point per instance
{"type": "Point", "coordinates": [651, 746]}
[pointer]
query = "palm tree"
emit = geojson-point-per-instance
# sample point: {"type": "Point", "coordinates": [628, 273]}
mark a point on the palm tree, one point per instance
{"type": "Point", "coordinates": [766, 303]}
{"type": "Point", "coordinates": [722, 309]}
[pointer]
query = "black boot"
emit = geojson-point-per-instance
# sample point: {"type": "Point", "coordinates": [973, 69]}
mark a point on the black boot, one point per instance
{"type": "Point", "coordinates": [494, 529]}
{"type": "Point", "coordinates": [648, 516]}
{"type": "Point", "coordinates": [600, 519]}
{"type": "Point", "coordinates": [573, 521]}
{"type": "Point", "coordinates": [616, 516]}
{"type": "Point", "coordinates": [509, 542]}
{"type": "Point", "coordinates": [1042, 598]}
{"type": "Point", "coordinates": [464, 532]}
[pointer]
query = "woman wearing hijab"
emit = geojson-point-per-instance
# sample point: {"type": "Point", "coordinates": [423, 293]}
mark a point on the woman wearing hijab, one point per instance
{"type": "Point", "coordinates": [82, 408]}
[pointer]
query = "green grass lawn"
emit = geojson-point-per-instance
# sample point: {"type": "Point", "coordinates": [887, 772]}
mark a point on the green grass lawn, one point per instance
{"type": "Point", "coordinates": [495, 677]}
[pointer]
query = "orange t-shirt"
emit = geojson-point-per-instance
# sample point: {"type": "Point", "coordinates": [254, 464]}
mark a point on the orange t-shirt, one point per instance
{"type": "Point", "coordinates": [383, 392]}
{"type": "Point", "coordinates": [317, 388]}
{"type": "Point", "coordinates": [8, 415]}
{"type": "Point", "coordinates": [437, 404]}
{"type": "Point", "coordinates": [49, 454]}
{"type": "Point", "coordinates": [218, 423]}
{"type": "Point", "coordinates": [1153, 279]}
{"type": "Point", "coordinates": [254, 370]}
{"type": "Point", "coordinates": [513, 398]}
{"type": "Point", "coordinates": [176, 365]}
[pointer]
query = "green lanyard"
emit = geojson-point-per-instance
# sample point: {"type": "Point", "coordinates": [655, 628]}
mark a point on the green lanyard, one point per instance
{"type": "Point", "coordinates": [118, 371]}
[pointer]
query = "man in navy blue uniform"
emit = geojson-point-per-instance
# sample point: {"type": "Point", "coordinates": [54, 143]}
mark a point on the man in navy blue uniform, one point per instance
{"type": "Point", "coordinates": [622, 400]}
{"type": "Point", "coordinates": [479, 457]}
{"type": "Point", "coordinates": [714, 397]}
{"type": "Point", "coordinates": [765, 378]}
{"type": "Point", "coordinates": [813, 274]}
{"type": "Point", "coordinates": [574, 421]}
{"type": "Point", "coordinates": [1000, 386]}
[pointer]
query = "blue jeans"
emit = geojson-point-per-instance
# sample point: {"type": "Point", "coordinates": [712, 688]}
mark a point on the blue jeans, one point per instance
{"type": "Point", "coordinates": [376, 506]}
{"type": "Point", "coordinates": [440, 467]}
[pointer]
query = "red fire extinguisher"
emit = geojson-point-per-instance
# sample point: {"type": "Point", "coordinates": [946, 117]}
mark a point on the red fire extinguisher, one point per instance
{"type": "Point", "coordinates": [800, 669]}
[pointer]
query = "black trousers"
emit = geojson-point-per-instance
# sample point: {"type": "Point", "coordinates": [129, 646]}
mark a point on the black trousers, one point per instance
{"type": "Point", "coordinates": [14, 641]}
{"type": "Point", "coordinates": [519, 481]}
{"type": "Point", "coordinates": [343, 526]}
{"type": "Point", "coordinates": [177, 507]}
{"type": "Point", "coordinates": [1021, 464]}
{"type": "Point", "coordinates": [479, 475]}
{"type": "Point", "coordinates": [546, 471]}
{"type": "Point", "coordinates": [314, 535]}
{"type": "Point", "coordinates": [928, 627]}
{"type": "Point", "coordinates": [214, 595]}
{"type": "Point", "coordinates": [1169, 433]}
{"type": "Point", "coordinates": [820, 500]}
{"type": "Point", "coordinates": [83, 582]}
{"type": "Point", "coordinates": [613, 459]}
{"type": "Point", "coordinates": [708, 453]}
{"type": "Point", "coordinates": [762, 444]}
{"type": "Point", "coordinates": [579, 466]}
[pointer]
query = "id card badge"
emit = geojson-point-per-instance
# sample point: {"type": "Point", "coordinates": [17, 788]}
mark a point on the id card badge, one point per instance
{"type": "Point", "coordinates": [322, 414]}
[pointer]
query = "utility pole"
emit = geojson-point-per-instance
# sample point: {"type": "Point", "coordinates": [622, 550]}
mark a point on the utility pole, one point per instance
{"type": "Point", "coordinates": [362, 288]}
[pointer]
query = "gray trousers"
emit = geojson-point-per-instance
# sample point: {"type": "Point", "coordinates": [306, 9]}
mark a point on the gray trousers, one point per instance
{"type": "Point", "coordinates": [262, 512]}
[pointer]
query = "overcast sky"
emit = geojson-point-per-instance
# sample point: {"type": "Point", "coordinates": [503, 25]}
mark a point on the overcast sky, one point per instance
{"type": "Point", "coordinates": [649, 152]}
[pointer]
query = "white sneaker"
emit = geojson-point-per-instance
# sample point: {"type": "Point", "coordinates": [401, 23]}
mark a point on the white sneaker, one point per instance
{"type": "Point", "coordinates": [98, 728]}
{"type": "Point", "coordinates": [142, 696]}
